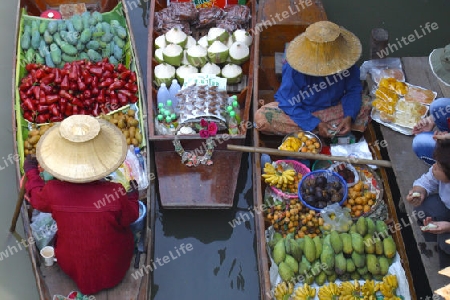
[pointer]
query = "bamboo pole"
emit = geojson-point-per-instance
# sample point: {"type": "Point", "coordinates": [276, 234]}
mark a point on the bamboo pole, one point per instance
{"type": "Point", "coordinates": [19, 202]}
{"type": "Point", "coordinates": [306, 155]}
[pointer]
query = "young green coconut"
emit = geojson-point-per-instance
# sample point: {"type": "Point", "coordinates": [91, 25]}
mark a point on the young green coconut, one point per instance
{"type": "Point", "coordinates": [203, 41]}
{"type": "Point", "coordinates": [210, 68]}
{"type": "Point", "coordinates": [190, 42]}
{"type": "Point", "coordinates": [197, 56]}
{"type": "Point", "coordinates": [184, 61]}
{"type": "Point", "coordinates": [176, 36]}
{"type": "Point", "coordinates": [160, 42]}
{"type": "Point", "coordinates": [241, 35]}
{"type": "Point", "coordinates": [184, 71]}
{"type": "Point", "coordinates": [173, 54]}
{"type": "Point", "coordinates": [159, 55]}
{"type": "Point", "coordinates": [239, 53]}
{"type": "Point", "coordinates": [217, 34]}
{"type": "Point", "coordinates": [233, 73]}
{"type": "Point", "coordinates": [164, 73]}
{"type": "Point", "coordinates": [217, 52]}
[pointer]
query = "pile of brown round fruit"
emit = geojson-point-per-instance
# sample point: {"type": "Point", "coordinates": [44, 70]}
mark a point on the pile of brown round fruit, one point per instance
{"type": "Point", "coordinates": [128, 124]}
{"type": "Point", "coordinates": [318, 192]}
{"type": "Point", "coordinates": [293, 217]}
{"type": "Point", "coordinates": [29, 145]}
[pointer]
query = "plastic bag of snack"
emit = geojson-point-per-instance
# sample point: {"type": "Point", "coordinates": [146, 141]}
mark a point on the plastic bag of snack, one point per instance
{"type": "Point", "coordinates": [207, 17]}
{"type": "Point", "coordinates": [184, 11]}
{"type": "Point", "coordinates": [238, 13]}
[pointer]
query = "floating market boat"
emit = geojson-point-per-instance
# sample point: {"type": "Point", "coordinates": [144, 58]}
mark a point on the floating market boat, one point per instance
{"type": "Point", "coordinates": [39, 43]}
{"type": "Point", "coordinates": [268, 60]}
{"type": "Point", "coordinates": [201, 180]}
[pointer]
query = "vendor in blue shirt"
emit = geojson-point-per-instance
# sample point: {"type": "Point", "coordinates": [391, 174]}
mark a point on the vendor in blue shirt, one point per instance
{"type": "Point", "coordinates": [320, 89]}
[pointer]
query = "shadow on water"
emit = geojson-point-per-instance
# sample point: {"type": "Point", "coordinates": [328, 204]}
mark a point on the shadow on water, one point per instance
{"type": "Point", "coordinates": [221, 263]}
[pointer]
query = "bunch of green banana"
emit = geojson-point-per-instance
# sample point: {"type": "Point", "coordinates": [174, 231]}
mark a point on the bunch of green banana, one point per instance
{"type": "Point", "coordinates": [283, 290]}
{"type": "Point", "coordinates": [329, 292]}
{"type": "Point", "coordinates": [305, 292]}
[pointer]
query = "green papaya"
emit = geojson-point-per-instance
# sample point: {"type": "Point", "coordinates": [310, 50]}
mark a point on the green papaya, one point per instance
{"type": "Point", "coordinates": [369, 244]}
{"type": "Point", "coordinates": [42, 27]}
{"type": "Point", "coordinates": [379, 247]}
{"type": "Point", "coordinates": [357, 242]}
{"type": "Point", "coordinates": [285, 271]}
{"type": "Point", "coordinates": [340, 264]}
{"type": "Point", "coordinates": [381, 227]}
{"type": "Point", "coordinates": [287, 244]}
{"type": "Point", "coordinates": [321, 278]}
{"type": "Point", "coordinates": [279, 252]}
{"type": "Point", "coordinates": [355, 276]}
{"type": "Point", "coordinates": [332, 277]}
{"type": "Point", "coordinates": [301, 243]}
{"type": "Point", "coordinates": [309, 279]}
{"type": "Point", "coordinates": [378, 277]}
{"type": "Point", "coordinates": [296, 251]}
{"type": "Point", "coordinates": [292, 263]}
{"type": "Point", "coordinates": [35, 39]}
{"type": "Point", "coordinates": [389, 247]}
{"type": "Point", "coordinates": [304, 266]}
{"type": "Point", "coordinates": [352, 228]}
{"type": "Point", "coordinates": [336, 242]}
{"type": "Point", "coordinates": [371, 228]}
{"type": "Point", "coordinates": [29, 55]}
{"type": "Point", "coordinates": [358, 259]}
{"type": "Point", "coordinates": [310, 249]}
{"type": "Point", "coordinates": [346, 243]}
{"type": "Point", "coordinates": [350, 265]}
{"type": "Point", "coordinates": [318, 243]}
{"type": "Point", "coordinates": [372, 264]}
{"type": "Point", "coordinates": [361, 226]}
{"type": "Point", "coordinates": [384, 265]}
{"type": "Point", "coordinates": [367, 276]}
{"type": "Point", "coordinates": [327, 256]}
{"type": "Point", "coordinates": [276, 237]}
{"type": "Point", "coordinates": [362, 271]}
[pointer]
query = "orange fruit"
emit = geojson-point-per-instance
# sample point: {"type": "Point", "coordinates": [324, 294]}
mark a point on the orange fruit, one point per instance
{"type": "Point", "coordinates": [304, 149]}
{"type": "Point", "coordinates": [366, 208]}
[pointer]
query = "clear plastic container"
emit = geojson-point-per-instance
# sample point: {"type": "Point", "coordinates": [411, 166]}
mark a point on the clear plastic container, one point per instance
{"type": "Point", "coordinates": [163, 94]}
{"type": "Point", "coordinates": [233, 124]}
{"type": "Point", "coordinates": [173, 90]}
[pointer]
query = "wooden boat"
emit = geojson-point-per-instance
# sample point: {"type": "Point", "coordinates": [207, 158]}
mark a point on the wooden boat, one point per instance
{"type": "Point", "coordinates": [52, 281]}
{"type": "Point", "coordinates": [267, 65]}
{"type": "Point", "coordinates": [204, 186]}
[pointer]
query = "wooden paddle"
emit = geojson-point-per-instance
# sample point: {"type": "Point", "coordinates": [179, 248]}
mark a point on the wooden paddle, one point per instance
{"type": "Point", "coordinates": [19, 202]}
{"type": "Point", "coordinates": [306, 155]}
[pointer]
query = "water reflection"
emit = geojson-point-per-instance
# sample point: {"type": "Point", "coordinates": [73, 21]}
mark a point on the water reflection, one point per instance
{"type": "Point", "coordinates": [222, 263]}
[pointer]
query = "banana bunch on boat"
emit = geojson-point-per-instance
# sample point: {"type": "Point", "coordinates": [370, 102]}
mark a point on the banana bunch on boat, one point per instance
{"type": "Point", "coordinates": [283, 290]}
{"type": "Point", "coordinates": [388, 287]}
{"type": "Point", "coordinates": [278, 176]}
{"type": "Point", "coordinates": [304, 292]}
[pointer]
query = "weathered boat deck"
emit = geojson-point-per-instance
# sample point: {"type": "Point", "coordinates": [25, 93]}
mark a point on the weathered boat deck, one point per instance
{"type": "Point", "coordinates": [407, 167]}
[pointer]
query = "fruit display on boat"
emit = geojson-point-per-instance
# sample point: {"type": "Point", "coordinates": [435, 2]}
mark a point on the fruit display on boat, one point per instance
{"type": "Point", "coordinates": [282, 176]}
{"type": "Point", "coordinates": [301, 142]}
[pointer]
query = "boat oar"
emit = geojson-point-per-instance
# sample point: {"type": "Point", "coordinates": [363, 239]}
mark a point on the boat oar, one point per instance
{"type": "Point", "coordinates": [19, 202]}
{"type": "Point", "coordinates": [306, 155]}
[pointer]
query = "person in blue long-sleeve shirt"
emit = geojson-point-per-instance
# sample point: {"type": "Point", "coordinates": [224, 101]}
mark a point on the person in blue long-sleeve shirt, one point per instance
{"type": "Point", "coordinates": [321, 89]}
{"type": "Point", "coordinates": [300, 95]}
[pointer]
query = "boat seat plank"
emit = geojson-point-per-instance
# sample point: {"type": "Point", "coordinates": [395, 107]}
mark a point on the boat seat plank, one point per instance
{"type": "Point", "coordinates": [59, 283]}
{"type": "Point", "coordinates": [407, 167]}
{"type": "Point", "coordinates": [212, 191]}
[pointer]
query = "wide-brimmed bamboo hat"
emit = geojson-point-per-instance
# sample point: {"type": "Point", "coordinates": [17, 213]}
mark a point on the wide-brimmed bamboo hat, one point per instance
{"type": "Point", "coordinates": [81, 149]}
{"type": "Point", "coordinates": [323, 49]}
{"type": "Point", "coordinates": [440, 64]}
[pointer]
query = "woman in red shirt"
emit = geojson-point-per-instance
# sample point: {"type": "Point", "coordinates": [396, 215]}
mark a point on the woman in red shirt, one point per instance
{"type": "Point", "coordinates": [94, 243]}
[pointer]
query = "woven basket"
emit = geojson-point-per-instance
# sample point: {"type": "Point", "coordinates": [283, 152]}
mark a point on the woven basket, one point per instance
{"type": "Point", "coordinates": [299, 168]}
{"type": "Point", "coordinates": [331, 177]}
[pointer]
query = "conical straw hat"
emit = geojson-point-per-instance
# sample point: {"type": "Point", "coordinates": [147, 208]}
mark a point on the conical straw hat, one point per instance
{"type": "Point", "coordinates": [81, 149]}
{"type": "Point", "coordinates": [440, 64]}
{"type": "Point", "coordinates": [323, 49]}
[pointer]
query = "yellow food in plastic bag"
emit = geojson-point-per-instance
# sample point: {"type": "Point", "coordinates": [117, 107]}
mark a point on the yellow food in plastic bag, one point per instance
{"type": "Point", "coordinates": [394, 85]}
{"type": "Point", "coordinates": [384, 106]}
{"type": "Point", "coordinates": [386, 94]}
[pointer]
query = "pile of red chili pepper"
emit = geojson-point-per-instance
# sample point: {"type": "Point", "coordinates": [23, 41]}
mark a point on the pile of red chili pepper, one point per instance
{"type": "Point", "coordinates": [79, 88]}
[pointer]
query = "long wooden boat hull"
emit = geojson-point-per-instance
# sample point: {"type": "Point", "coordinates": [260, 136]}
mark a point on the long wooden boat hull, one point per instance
{"type": "Point", "coordinates": [267, 81]}
{"type": "Point", "coordinates": [204, 186]}
{"type": "Point", "coordinates": [52, 281]}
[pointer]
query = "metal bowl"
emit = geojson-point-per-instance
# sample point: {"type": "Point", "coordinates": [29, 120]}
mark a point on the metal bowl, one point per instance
{"type": "Point", "coordinates": [307, 134]}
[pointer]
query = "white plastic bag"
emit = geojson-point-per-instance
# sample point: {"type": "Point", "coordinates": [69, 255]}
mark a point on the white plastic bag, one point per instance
{"type": "Point", "coordinates": [43, 229]}
{"type": "Point", "coordinates": [137, 173]}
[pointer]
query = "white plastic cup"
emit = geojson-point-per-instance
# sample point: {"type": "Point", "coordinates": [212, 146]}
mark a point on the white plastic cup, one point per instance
{"type": "Point", "coordinates": [48, 253]}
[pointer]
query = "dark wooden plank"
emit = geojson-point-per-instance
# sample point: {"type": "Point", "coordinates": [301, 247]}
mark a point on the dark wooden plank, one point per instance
{"type": "Point", "coordinates": [197, 187]}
